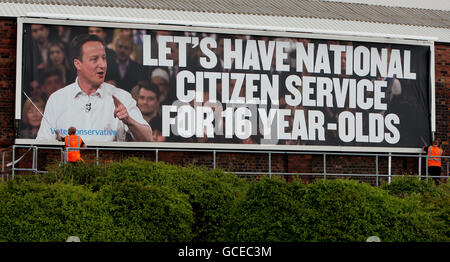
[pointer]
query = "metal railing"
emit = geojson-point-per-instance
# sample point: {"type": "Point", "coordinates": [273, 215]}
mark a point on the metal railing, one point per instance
{"type": "Point", "coordinates": [35, 169]}
{"type": "Point", "coordinates": [4, 170]}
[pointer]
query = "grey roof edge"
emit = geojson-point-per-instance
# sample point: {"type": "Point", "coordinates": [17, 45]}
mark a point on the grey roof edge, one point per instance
{"type": "Point", "coordinates": [303, 8]}
{"type": "Point", "coordinates": [381, 5]}
{"type": "Point", "coordinates": [226, 21]}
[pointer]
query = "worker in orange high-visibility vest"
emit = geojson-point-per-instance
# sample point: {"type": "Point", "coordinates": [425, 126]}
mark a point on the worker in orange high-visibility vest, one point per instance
{"type": "Point", "coordinates": [72, 141]}
{"type": "Point", "coordinates": [434, 153]}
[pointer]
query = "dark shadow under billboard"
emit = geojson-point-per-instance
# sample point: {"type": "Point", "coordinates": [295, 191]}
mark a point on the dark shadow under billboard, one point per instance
{"type": "Point", "coordinates": [155, 86]}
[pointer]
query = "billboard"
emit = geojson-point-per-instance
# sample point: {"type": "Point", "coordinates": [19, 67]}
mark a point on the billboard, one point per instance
{"type": "Point", "coordinates": [159, 87]}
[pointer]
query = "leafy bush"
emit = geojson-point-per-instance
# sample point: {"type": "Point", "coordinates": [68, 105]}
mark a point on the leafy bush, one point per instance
{"type": "Point", "coordinates": [36, 211]}
{"type": "Point", "coordinates": [349, 211]}
{"type": "Point", "coordinates": [81, 173]}
{"type": "Point", "coordinates": [211, 193]}
{"type": "Point", "coordinates": [435, 201]}
{"type": "Point", "coordinates": [148, 213]}
{"type": "Point", "coordinates": [337, 210]}
{"type": "Point", "coordinates": [137, 200]}
{"type": "Point", "coordinates": [31, 211]}
{"type": "Point", "coordinates": [404, 186]}
{"type": "Point", "coordinates": [268, 212]}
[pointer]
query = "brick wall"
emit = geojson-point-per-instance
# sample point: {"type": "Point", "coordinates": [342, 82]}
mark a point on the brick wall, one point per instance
{"type": "Point", "coordinates": [8, 35]}
{"type": "Point", "coordinates": [243, 162]}
{"type": "Point", "coordinates": [442, 83]}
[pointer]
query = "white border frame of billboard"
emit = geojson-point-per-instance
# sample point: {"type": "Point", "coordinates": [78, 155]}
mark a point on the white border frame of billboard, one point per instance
{"type": "Point", "coordinates": [83, 20]}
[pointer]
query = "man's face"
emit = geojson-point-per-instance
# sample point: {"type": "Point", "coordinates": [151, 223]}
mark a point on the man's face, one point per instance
{"type": "Point", "coordinates": [147, 101]}
{"type": "Point", "coordinates": [39, 33]}
{"type": "Point", "coordinates": [123, 50]}
{"type": "Point", "coordinates": [52, 84]}
{"type": "Point", "coordinates": [92, 65]}
{"type": "Point", "coordinates": [98, 31]}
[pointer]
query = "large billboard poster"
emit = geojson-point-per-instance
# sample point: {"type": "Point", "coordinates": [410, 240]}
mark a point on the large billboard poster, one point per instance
{"type": "Point", "coordinates": [156, 87]}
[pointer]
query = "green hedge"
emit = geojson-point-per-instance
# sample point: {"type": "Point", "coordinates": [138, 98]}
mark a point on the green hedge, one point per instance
{"type": "Point", "coordinates": [137, 200]}
{"type": "Point", "coordinates": [148, 213]}
{"type": "Point", "coordinates": [32, 211]}
{"type": "Point", "coordinates": [337, 210]}
{"type": "Point", "coordinates": [210, 193]}
{"type": "Point", "coordinates": [433, 200]}
{"type": "Point", "coordinates": [408, 185]}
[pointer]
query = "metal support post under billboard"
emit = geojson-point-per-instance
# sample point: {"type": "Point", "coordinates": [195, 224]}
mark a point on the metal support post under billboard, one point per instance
{"type": "Point", "coordinates": [156, 156]}
{"type": "Point", "coordinates": [214, 159]}
{"type": "Point", "coordinates": [426, 167]}
{"type": "Point", "coordinates": [420, 166]}
{"type": "Point", "coordinates": [35, 157]}
{"type": "Point", "coordinates": [376, 168]}
{"type": "Point", "coordinates": [62, 156]}
{"type": "Point", "coordinates": [3, 165]}
{"type": "Point", "coordinates": [13, 160]}
{"type": "Point", "coordinates": [96, 156]}
{"type": "Point", "coordinates": [389, 167]}
{"type": "Point", "coordinates": [270, 164]}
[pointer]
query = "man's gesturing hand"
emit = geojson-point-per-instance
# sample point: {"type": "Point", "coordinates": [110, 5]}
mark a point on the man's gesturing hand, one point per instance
{"type": "Point", "coordinates": [140, 132]}
{"type": "Point", "coordinates": [120, 111]}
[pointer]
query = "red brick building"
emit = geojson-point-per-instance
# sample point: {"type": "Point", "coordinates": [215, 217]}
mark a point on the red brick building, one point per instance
{"type": "Point", "coordinates": [309, 17]}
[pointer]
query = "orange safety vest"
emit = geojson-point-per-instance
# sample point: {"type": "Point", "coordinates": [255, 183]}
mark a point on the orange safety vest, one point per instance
{"type": "Point", "coordinates": [75, 142]}
{"type": "Point", "coordinates": [434, 154]}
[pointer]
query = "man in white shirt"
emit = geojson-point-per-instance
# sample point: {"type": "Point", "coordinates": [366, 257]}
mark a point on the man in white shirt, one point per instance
{"type": "Point", "coordinates": [99, 111]}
